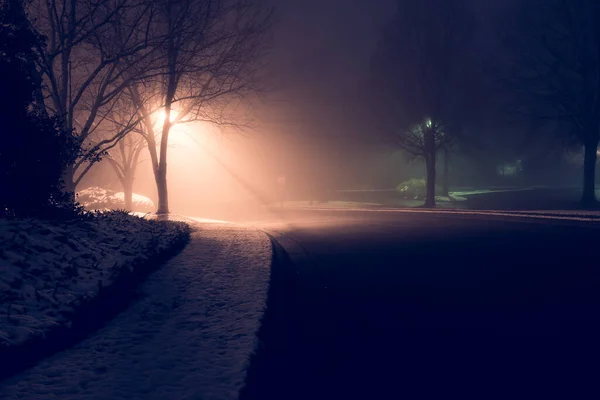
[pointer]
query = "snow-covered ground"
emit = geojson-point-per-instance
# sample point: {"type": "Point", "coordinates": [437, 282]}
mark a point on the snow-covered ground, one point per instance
{"type": "Point", "coordinates": [48, 270]}
{"type": "Point", "coordinates": [471, 192]}
{"type": "Point", "coordinates": [190, 335]}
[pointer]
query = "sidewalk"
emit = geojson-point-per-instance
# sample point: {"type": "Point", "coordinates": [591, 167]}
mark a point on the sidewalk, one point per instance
{"type": "Point", "coordinates": [189, 336]}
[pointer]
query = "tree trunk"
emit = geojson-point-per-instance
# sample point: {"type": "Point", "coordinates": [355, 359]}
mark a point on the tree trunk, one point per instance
{"type": "Point", "coordinates": [429, 143]}
{"type": "Point", "coordinates": [446, 176]}
{"type": "Point", "coordinates": [128, 192]}
{"type": "Point", "coordinates": [69, 182]}
{"type": "Point", "coordinates": [161, 185]}
{"type": "Point", "coordinates": [430, 196]}
{"type": "Point", "coordinates": [161, 171]}
{"type": "Point", "coordinates": [588, 197]}
{"type": "Point", "coordinates": [171, 89]}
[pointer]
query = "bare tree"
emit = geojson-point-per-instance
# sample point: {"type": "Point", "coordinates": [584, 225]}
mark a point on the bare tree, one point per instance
{"type": "Point", "coordinates": [418, 77]}
{"type": "Point", "coordinates": [91, 50]}
{"type": "Point", "coordinates": [551, 60]}
{"type": "Point", "coordinates": [123, 155]}
{"type": "Point", "coordinates": [207, 71]}
{"type": "Point", "coordinates": [124, 158]}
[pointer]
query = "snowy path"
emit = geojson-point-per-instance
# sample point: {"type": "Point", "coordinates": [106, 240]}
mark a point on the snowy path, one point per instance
{"type": "Point", "coordinates": [189, 337]}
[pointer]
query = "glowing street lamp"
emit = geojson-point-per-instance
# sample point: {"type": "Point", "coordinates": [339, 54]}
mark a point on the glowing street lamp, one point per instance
{"type": "Point", "coordinates": [162, 115]}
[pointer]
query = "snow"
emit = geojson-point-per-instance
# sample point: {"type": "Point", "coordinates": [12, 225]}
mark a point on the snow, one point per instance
{"type": "Point", "coordinates": [451, 198]}
{"type": "Point", "coordinates": [97, 198]}
{"type": "Point", "coordinates": [566, 215]}
{"type": "Point", "coordinates": [49, 269]}
{"type": "Point", "coordinates": [137, 200]}
{"type": "Point", "coordinates": [190, 335]}
{"type": "Point", "coordinates": [472, 191]}
{"type": "Point", "coordinates": [182, 218]}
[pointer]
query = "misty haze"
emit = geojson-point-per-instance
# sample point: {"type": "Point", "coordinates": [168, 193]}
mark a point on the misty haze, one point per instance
{"type": "Point", "coordinates": [299, 199]}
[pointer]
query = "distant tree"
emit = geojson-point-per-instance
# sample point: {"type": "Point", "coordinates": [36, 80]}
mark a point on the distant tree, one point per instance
{"type": "Point", "coordinates": [124, 159]}
{"type": "Point", "coordinates": [419, 79]}
{"type": "Point", "coordinates": [35, 149]}
{"type": "Point", "coordinates": [124, 155]}
{"type": "Point", "coordinates": [551, 61]}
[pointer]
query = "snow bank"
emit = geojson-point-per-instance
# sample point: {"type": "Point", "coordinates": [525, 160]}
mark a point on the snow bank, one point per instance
{"type": "Point", "coordinates": [139, 202]}
{"type": "Point", "coordinates": [96, 198]}
{"type": "Point", "coordinates": [50, 271]}
{"type": "Point", "coordinates": [189, 335]}
{"type": "Point", "coordinates": [558, 215]}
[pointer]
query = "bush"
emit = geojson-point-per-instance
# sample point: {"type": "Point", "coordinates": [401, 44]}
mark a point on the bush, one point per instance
{"type": "Point", "coordinates": [415, 189]}
{"type": "Point", "coordinates": [96, 198]}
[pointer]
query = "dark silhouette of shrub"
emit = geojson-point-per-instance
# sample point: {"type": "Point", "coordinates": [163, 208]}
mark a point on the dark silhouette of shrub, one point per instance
{"type": "Point", "coordinates": [34, 150]}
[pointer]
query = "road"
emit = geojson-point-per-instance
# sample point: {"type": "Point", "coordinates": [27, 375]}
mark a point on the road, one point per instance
{"type": "Point", "coordinates": [375, 304]}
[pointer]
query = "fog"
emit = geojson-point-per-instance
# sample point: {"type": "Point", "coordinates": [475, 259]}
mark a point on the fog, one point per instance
{"type": "Point", "coordinates": [319, 127]}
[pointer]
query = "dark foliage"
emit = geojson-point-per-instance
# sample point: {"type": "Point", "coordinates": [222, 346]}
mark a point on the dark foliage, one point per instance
{"type": "Point", "coordinates": [550, 61]}
{"type": "Point", "coordinates": [34, 150]}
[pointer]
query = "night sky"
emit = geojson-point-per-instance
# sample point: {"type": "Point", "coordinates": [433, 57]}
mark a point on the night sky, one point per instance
{"type": "Point", "coordinates": [334, 39]}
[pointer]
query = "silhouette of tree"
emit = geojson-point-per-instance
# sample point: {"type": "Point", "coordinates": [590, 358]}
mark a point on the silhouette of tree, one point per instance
{"type": "Point", "coordinates": [124, 156]}
{"type": "Point", "coordinates": [207, 69]}
{"type": "Point", "coordinates": [418, 82]}
{"type": "Point", "coordinates": [551, 60]}
{"type": "Point", "coordinates": [92, 53]}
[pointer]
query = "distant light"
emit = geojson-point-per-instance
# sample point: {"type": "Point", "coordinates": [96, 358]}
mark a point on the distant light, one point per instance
{"type": "Point", "coordinates": [428, 123]}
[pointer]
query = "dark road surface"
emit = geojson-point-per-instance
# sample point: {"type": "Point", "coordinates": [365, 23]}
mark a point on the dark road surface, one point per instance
{"type": "Point", "coordinates": [377, 305]}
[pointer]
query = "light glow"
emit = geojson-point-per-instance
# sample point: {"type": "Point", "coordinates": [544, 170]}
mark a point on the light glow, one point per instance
{"type": "Point", "coordinates": [178, 133]}
{"type": "Point", "coordinates": [162, 115]}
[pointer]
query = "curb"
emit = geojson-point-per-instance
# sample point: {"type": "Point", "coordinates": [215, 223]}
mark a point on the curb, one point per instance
{"type": "Point", "coordinates": [90, 316]}
{"type": "Point", "coordinates": [271, 336]}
